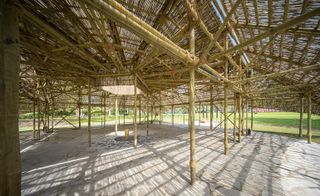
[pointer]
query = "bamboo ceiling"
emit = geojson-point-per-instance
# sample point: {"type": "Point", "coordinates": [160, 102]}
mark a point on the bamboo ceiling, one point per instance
{"type": "Point", "coordinates": [271, 48]}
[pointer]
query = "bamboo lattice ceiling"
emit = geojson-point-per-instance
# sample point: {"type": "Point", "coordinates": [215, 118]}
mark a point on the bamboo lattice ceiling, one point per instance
{"type": "Point", "coordinates": [276, 43]}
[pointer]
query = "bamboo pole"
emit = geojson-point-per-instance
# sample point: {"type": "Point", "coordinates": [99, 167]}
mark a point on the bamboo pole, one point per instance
{"type": "Point", "coordinates": [239, 118]}
{"type": "Point", "coordinates": [225, 111]}
{"type": "Point", "coordinates": [104, 110]}
{"type": "Point", "coordinates": [211, 108]}
{"type": "Point", "coordinates": [172, 116]}
{"type": "Point", "coordinates": [39, 123]}
{"type": "Point", "coordinates": [192, 112]}
{"type": "Point", "coordinates": [309, 125]}
{"type": "Point", "coordinates": [147, 113]}
{"type": "Point", "coordinates": [242, 117]}
{"type": "Point", "coordinates": [89, 113]}
{"type": "Point", "coordinates": [199, 114]}
{"type": "Point", "coordinates": [140, 110]}
{"type": "Point", "coordinates": [246, 114]}
{"type": "Point", "coordinates": [34, 118]}
{"type": "Point", "coordinates": [234, 118]}
{"type": "Point", "coordinates": [135, 132]}
{"type": "Point", "coordinates": [301, 116]}
{"type": "Point", "coordinates": [79, 108]}
{"type": "Point", "coordinates": [116, 117]}
{"type": "Point", "coordinates": [10, 162]}
{"type": "Point", "coordinates": [251, 115]}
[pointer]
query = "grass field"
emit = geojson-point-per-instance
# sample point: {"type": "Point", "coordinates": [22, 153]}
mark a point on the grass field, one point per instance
{"type": "Point", "coordinates": [283, 123]}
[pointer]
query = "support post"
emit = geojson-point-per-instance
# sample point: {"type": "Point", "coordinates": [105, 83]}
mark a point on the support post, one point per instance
{"type": "Point", "coordinates": [242, 117]}
{"type": "Point", "coordinates": [116, 117]}
{"type": "Point", "coordinates": [246, 114]}
{"type": "Point", "coordinates": [211, 108]}
{"type": "Point", "coordinates": [79, 108]}
{"type": "Point", "coordinates": [309, 125]}
{"type": "Point", "coordinates": [301, 116]}
{"type": "Point", "coordinates": [251, 127]}
{"type": "Point", "coordinates": [89, 113]}
{"type": "Point", "coordinates": [10, 164]}
{"type": "Point", "coordinates": [234, 118]}
{"type": "Point", "coordinates": [199, 114]}
{"type": "Point", "coordinates": [172, 115]}
{"type": "Point", "coordinates": [148, 113]}
{"type": "Point", "coordinates": [239, 126]}
{"type": "Point", "coordinates": [34, 117]}
{"type": "Point", "coordinates": [139, 110]}
{"type": "Point", "coordinates": [104, 110]}
{"type": "Point", "coordinates": [39, 122]}
{"type": "Point", "coordinates": [225, 109]}
{"type": "Point", "coordinates": [192, 112]}
{"type": "Point", "coordinates": [135, 131]}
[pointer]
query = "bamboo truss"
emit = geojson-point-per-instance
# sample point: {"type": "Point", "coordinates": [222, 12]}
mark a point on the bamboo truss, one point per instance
{"type": "Point", "coordinates": [175, 51]}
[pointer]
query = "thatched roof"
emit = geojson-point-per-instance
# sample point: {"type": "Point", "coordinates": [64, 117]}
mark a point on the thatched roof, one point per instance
{"type": "Point", "coordinates": [65, 43]}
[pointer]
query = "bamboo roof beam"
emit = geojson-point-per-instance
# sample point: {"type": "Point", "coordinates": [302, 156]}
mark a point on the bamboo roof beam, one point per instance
{"type": "Point", "coordinates": [272, 75]}
{"type": "Point", "coordinates": [279, 29]}
{"type": "Point", "coordinates": [55, 33]}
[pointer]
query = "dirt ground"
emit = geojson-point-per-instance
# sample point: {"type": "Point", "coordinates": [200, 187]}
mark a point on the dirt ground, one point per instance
{"type": "Point", "coordinates": [61, 163]}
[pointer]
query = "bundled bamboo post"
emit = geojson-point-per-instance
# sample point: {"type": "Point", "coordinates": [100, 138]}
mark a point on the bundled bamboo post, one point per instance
{"type": "Point", "coordinates": [34, 117]}
{"type": "Point", "coordinates": [172, 115]}
{"type": "Point", "coordinates": [116, 117]}
{"type": "Point", "coordinates": [309, 125]}
{"type": "Point", "coordinates": [225, 111]}
{"type": "Point", "coordinates": [211, 107]}
{"type": "Point", "coordinates": [301, 116]}
{"type": "Point", "coordinates": [139, 110]}
{"type": "Point", "coordinates": [220, 120]}
{"type": "Point", "coordinates": [104, 110]}
{"type": "Point", "coordinates": [191, 111]}
{"type": "Point", "coordinates": [79, 108]}
{"type": "Point", "coordinates": [246, 114]}
{"type": "Point", "coordinates": [234, 117]}
{"type": "Point", "coordinates": [39, 120]}
{"type": "Point", "coordinates": [199, 114]}
{"type": "Point", "coordinates": [242, 117]}
{"type": "Point", "coordinates": [89, 113]}
{"type": "Point", "coordinates": [148, 113]}
{"type": "Point", "coordinates": [135, 131]}
{"type": "Point", "coordinates": [10, 162]}
{"type": "Point", "coordinates": [251, 127]}
{"type": "Point", "coordinates": [239, 118]}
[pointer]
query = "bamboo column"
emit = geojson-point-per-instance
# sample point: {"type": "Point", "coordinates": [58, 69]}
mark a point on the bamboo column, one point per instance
{"type": "Point", "coordinates": [225, 111]}
{"type": "Point", "coordinates": [89, 113]}
{"type": "Point", "coordinates": [116, 117]}
{"type": "Point", "coordinates": [234, 117]}
{"type": "Point", "coordinates": [199, 114]}
{"type": "Point", "coordinates": [34, 117]}
{"type": "Point", "coordinates": [147, 113]}
{"type": "Point", "coordinates": [10, 162]}
{"type": "Point", "coordinates": [242, 118]}
{"type": "Point", "coordinates": [251, 115]}
{"type": "Point", "coordinates": [309, 125]}
{"type": "Point", "coordinates": [246, 114]}
{"type": "Point", "coordinates": [79, 108]}
{"type": "Point", "coordinates": [139, 110]}
{"type": "Point", "coordinates": [104, 110]}
{"type": "Point", "coordinates": [39, 122]}
{"type": "Point", "coordinates": [211, 108]}
{"type": "Point", "coordinates": [239, 120]}
{"type": "Point", "coordinates": [301, 116]}
{"type": "Point", "coordinates": [172, 115]}
{"type": "Point", "coordinates": [135, 131]}
{"type": "Point", "coordinates": [192, 112]}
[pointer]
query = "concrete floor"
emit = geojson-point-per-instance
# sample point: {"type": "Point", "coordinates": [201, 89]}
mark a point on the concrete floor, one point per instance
{"type": "Point", "coordinates": [262, 164]}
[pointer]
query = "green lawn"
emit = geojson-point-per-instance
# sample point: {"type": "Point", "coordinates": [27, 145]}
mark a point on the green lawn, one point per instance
{"type": "Point", "coordinates": [284, 123]}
